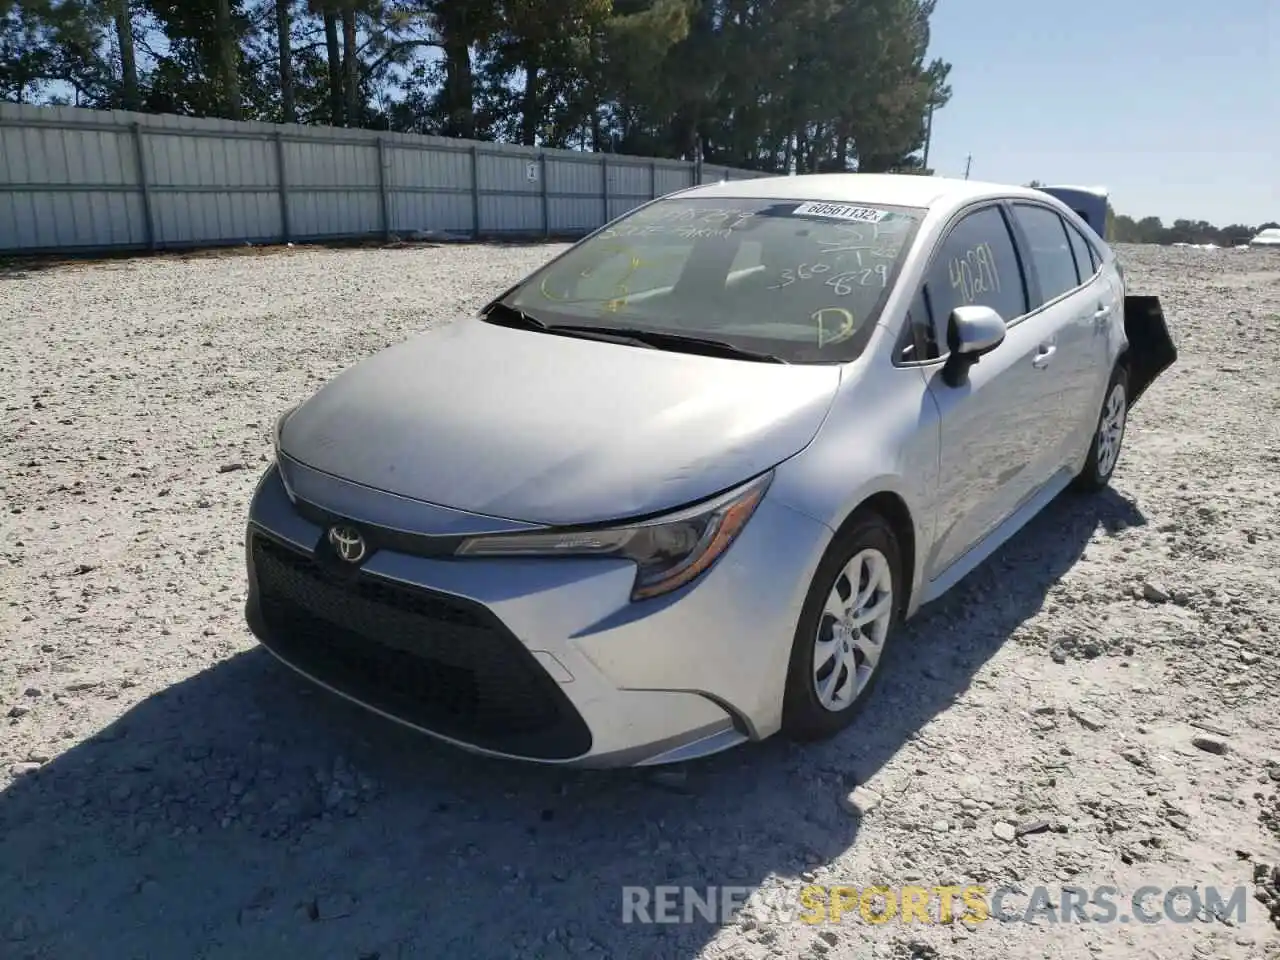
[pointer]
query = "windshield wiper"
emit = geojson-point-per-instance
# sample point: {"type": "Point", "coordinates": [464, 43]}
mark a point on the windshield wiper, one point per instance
{"type": "Point", "coordinates": [667, 341]}
{"type": "Point", "coordinates": [508, 316]}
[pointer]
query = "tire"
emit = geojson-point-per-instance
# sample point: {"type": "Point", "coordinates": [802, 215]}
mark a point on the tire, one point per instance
{"type": "Point", "coordinates": [1108, 435]}
{"type": "Point", "coordinates": [868, 541]}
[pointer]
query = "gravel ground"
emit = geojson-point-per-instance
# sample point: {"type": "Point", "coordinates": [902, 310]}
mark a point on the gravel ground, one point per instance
{"type": "Point", "coordinates": [1097, 705]}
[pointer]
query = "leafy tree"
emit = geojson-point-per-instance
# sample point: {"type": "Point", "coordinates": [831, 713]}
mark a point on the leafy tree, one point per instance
{"type": "Point", "coordinates": [28, 56]}
{"type": "Point", "coordinates": [284, 55]}
{"type": "Point", "coordinates": [204, 71]}
{"type": "Point", "coordinates": [779, 85]}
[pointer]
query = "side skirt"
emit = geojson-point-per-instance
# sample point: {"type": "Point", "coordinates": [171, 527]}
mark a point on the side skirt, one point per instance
{"type": "Point", "coordinates": [993, 541]}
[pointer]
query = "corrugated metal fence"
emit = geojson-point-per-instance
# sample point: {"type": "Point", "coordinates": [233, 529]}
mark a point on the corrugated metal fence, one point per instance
{"type": "Point", "coordinates": [86, 180]}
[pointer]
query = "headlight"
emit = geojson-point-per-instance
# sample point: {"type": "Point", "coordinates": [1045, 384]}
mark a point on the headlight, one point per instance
{"type": "Point", "coordinates": [275, 449]}
{"type": "Point", "coordinates": [275, 431]}
{"type": "Point", "coordinates": [669, 551]}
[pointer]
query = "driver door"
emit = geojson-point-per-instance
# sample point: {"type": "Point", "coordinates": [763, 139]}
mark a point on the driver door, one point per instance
{"type": "Point", "coordinates": [993, 425]}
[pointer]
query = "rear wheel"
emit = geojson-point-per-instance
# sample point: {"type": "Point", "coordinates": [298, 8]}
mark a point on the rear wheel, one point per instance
{"type": "Point", "coordinates": [851, 611]}
{"type": "Point", "coordinates": [1108, 435]}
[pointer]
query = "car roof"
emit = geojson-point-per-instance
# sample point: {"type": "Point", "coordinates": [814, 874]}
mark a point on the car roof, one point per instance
{"type": "Point", "coordinates": [901, 189]}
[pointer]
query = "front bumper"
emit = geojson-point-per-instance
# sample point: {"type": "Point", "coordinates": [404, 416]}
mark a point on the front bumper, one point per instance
{"type": "Point", "coordinates": [537, 659]}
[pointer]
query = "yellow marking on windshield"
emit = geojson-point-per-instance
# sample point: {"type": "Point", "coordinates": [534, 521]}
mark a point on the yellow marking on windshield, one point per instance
{"type": "Point", "coordinates": [833, 315]}
{"type": "Point", "coordinates": [632, 263]}
{"type": "Point", "coordinates": [542, 288]}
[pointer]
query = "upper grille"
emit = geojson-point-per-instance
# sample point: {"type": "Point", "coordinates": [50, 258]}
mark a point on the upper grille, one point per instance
{"type": "Point", "coordinates": [441, 663]}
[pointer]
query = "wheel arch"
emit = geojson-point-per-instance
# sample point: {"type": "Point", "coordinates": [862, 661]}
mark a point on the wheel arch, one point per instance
{"type": "Point", "coordinates": [893, 509]}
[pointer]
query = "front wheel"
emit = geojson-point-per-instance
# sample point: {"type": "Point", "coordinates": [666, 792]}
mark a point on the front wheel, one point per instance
{"type": "Point", "coordinates": [848, 616]}
{"type": "Point", "coordinates": [1108, 435]}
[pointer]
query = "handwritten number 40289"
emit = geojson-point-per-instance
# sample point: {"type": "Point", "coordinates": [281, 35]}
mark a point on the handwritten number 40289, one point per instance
{"type": "Point", "coordinates": [842, 283]}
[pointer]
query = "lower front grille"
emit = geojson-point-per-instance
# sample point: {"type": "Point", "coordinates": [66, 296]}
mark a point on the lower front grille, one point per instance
{"type": "Point", "coordinates": [440, 663]}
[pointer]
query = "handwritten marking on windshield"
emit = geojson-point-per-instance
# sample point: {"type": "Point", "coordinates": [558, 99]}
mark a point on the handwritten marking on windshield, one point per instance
{"type": "Point", "coordinates": [619, 255]}
{"type": "Point", "coordinates": [838, 316]}
{"type": "Point", "coordinates": [632, 230]}
{"type": "Point", "coordinates": [842, 284]}
{"type": "Point", "coordinates": [681, 221]}
{"type": "Point", "coordinates": [700, 233]}
{"type": "Point", "coordinates": [804, 271]}
{"type": "Point", "coordinates": [542, 289]}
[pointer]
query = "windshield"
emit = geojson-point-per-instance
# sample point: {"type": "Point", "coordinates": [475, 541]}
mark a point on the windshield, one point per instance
{"type": "Point", "coordinates": [804, 281]}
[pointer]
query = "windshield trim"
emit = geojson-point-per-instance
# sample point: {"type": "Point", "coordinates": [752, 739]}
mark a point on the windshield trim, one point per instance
{"type": "Point", "coordinates": [852, 348]}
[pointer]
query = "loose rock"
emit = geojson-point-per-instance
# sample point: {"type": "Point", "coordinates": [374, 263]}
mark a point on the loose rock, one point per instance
{"type": "Point", "coordinates": [860, 801]}
{"type": "Point", "coordinates": [1210, 744]}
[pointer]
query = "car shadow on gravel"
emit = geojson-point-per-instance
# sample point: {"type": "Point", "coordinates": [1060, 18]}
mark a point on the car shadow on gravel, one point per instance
{"type": "Point", "coordinates": [241, 813]}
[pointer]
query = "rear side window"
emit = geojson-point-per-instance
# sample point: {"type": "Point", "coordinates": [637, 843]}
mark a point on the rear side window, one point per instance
{"type": "Point", "coordinates": [1050, 249]}
{"type": "Point", "coordinates": [977, 264]}
{"type": "Point", "coordinates": [1085, 264]}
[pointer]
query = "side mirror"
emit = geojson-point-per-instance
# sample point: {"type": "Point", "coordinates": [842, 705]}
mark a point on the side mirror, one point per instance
{"type": "Point", "coordinates": [971, 332]}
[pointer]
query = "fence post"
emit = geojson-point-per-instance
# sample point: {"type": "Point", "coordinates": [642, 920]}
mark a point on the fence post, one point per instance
{"type": "Point", "coordinates": [475, 192]}
{"type": "Point", "coordinates": [282, 175]}
{"type": "Point", "coordinates": [384, 205]}
{"type": "Point", "coordinates": [653, 180]}
{"type": "Point", "coordinates": [546, 207]}
{"type": "Point", "coordinates": [604, 185]}
{"type": "Point", "coordinates": [140, 152]}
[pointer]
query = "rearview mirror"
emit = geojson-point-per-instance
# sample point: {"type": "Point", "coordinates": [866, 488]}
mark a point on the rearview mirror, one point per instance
{"type": "Point", "coordinates": [971, 332]}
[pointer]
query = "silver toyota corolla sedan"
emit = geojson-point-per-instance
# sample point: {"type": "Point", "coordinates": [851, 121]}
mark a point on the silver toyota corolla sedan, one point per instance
{"type": "Point", "coordinates": [678, 488]}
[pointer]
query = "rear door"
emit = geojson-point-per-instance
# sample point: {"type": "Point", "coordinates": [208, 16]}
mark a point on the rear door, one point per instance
{"type": "Point", "coordinates": [1104, 297]}
{"type": "Point", "coordinates": [989, 460]}
{"type": "Point", "coordinates": [1073, 306]}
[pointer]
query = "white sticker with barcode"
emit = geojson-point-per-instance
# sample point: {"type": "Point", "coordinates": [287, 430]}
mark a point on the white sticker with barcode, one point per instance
{"type": "Point", "coordinates": [840, 211]}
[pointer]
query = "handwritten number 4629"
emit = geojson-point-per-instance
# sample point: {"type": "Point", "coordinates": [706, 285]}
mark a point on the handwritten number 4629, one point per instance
{"type": "Point", "coordinates": [842, 283]}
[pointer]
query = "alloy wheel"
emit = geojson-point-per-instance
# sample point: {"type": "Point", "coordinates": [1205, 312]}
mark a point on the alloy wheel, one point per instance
{"type": "Point", "coordinates": [852, 630]}
{"type": "Point", "coordinates": [1111, 430]}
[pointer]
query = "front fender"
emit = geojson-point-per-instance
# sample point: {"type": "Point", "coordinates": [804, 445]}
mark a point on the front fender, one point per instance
{"type": "Point", "coordinates": [882, 436]}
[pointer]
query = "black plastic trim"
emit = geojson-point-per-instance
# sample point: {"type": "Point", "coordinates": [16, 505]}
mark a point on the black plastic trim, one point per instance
{"type": "Point", "coordinates": [557, 733]}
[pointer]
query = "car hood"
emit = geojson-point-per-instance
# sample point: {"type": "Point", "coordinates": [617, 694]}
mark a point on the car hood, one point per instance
{"type": "Point", "coordinates": [550, 429]}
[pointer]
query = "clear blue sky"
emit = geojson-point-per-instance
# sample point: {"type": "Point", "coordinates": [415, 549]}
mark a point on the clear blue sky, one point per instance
{"type": "Point", "coordinates": [1173, 105]}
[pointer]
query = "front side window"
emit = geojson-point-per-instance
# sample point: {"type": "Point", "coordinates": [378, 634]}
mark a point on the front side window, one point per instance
{"type": "Point", "coordinates": [977, 265]}
{"type": "Point", "coordinates": [804, 281]}
{"type": "Point", "coordinates": [1050, 250]}
{"type": "Point", "coordinates": [920, 335]}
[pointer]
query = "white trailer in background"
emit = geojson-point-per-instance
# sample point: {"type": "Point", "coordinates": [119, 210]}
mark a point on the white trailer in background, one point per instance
{"type": "Point", "coordinates": [1267, 238]}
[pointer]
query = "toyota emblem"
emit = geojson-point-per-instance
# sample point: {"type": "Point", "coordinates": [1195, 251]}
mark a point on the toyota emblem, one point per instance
{"type": "Point", "coordinates": [347, 543]}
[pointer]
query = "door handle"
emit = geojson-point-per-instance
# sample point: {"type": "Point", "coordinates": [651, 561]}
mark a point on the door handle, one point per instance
{"type": "Point", "coordinates": [1101, 314]}
{"type": "Point", "coordinates": [1043, 355]}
